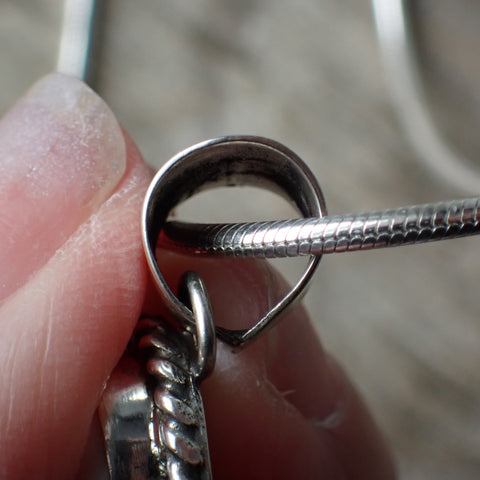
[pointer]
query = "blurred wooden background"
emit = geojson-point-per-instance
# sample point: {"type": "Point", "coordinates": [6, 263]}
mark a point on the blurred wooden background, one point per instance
{"type": "Point", "coordinates": [404, 323]}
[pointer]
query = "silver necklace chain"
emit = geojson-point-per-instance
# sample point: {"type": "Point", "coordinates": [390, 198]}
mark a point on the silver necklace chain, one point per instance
{"type": "Point", "coordinates": [335, 234]}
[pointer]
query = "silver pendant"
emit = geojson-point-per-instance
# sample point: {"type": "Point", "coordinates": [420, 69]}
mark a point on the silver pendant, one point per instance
{"type": "Point", "coordinates": [152, 411]}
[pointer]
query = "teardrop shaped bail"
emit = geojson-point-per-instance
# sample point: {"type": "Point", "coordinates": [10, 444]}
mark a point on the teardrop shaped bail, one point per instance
{"type": "Point", "coordinates": [229, 161]}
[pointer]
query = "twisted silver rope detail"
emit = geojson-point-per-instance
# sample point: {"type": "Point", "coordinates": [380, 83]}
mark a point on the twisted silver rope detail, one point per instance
{"type": "Point", "coordinates": [180, 435]}
{"type": "Point", "coordinates": [317, 236]}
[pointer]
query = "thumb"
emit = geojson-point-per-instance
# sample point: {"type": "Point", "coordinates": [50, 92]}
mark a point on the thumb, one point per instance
{"type": "Point", "coordinates": [73, 276]}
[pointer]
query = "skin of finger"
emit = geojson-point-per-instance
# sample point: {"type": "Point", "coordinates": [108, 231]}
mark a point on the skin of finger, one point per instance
{"type": "Point", "coordinates": [64, 331]}
{"type": "Point", "coordinates": [62, 155]}
{"type": "Point", "coordinates": [281, 408]}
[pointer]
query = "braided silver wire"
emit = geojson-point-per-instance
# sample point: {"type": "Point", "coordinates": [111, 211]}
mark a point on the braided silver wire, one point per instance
{"type": "Point", "coordinates": [317, 236]}
{"type": "Point", "coordinates": [180, 435]}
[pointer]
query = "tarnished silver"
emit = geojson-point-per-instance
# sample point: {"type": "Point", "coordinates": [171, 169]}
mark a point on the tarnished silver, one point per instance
{"type": "Point", "coordinates": [152, 412]}
{"type": "Point", "coordinates": [229, 161]}
{"type": "Point", "coordinates": [401, 63]}
{"type": "Point", "coordinates": [316, 236]}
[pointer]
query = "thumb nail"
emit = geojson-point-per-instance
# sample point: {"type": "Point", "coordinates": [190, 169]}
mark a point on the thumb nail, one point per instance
{"type": "Point", "coordinates": [61, 155]}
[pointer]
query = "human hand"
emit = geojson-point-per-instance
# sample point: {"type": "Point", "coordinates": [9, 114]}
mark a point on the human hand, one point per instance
{"type": "Point", "coordinates": [73, 283]}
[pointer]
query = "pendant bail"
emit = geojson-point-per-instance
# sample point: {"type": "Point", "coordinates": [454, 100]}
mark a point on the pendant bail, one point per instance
{"type": "Point", "coordinates": [229, 161]}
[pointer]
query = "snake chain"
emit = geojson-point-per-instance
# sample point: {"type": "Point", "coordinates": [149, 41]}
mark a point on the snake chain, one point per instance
{"type": "Point", "coordinates": [316, 236]}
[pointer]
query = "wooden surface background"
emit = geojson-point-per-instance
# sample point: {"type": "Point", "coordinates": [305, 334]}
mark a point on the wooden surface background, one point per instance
{"type": "Point", "coordinates": [404, 323]}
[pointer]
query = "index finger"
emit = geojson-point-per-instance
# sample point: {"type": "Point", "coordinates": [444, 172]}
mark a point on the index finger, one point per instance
{"type": "Point", "coordinates": [281, 408]}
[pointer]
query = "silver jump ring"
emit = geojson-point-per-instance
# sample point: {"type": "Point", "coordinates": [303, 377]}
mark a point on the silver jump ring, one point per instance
{"type": "Point", "coordinates": [204, 326]}
{"type": "Point", "coordinates": [229, 161]}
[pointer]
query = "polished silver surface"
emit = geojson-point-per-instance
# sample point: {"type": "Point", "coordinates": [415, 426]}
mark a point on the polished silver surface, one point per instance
{"type": "Point", "coordinates": [152, 412]}
{"type": "Point", "coordinates": [316, 236]}
{"type": "Point", "coordinates": [126, 414]}
{"type": "Point", "coordinates": [206, 345]}
{"type": "Point", "coordinates": [405, 81]}
{"type": "Point", "coordinates": [229, 161]}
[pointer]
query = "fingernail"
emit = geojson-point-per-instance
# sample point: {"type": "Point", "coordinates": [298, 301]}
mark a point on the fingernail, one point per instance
{"type": "Point", "coordinates": [62, 153]}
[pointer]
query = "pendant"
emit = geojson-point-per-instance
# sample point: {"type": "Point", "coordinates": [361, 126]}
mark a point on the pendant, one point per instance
{"type": "Point", "coordinates": [151, 411]}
